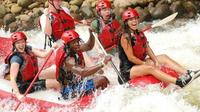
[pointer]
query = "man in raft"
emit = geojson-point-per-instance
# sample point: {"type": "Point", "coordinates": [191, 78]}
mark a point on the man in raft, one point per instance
{"type": "Point", "coordinates": [70, 67]}
{"type": "Point", "coordinates": [23, 66]}
{"type": "Point", "coordinates": [133, 51]}
{"type": "Point", "coordinates": [57, 20]}
{"type": "Point", "coordinates": [107, 25]}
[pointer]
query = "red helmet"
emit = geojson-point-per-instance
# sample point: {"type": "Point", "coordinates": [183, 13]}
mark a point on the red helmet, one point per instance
{"type": "Point", "coordinates": [103, 4]}
{"type": "Point", "coordinates": [69, 36]}
{"type": "Point", "coordinates": [18, 36]}
{"type": "Point", "coordinates": [129, 13]}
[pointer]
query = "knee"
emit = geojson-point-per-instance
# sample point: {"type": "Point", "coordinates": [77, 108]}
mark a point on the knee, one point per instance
{"type": "Point", "coordinates": [102, 82]}
{"type": "Point", "coordinates": [149, 68]}
{"type": "Point", "coordinates": [164, 56]}
{"type": "Point", "coordinates": [52, 84]}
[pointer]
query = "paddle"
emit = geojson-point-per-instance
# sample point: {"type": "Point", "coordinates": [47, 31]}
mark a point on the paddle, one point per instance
{"type": "Point", "coordinates": [34, 79]}
{"type": "Point", "coordinates": [161, 22]}
{"type": "Point", "coordinates": [111, 62]}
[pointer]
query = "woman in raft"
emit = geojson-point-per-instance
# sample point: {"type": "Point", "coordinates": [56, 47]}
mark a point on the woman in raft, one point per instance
{"type": "Point", "coordinates": [23, 66]}
{"type": "Point", "coordinates": [133, 51]}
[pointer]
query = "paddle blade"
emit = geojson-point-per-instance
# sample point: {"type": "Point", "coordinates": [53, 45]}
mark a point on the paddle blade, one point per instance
{"type": "Point", "coordinates": [165, 20]}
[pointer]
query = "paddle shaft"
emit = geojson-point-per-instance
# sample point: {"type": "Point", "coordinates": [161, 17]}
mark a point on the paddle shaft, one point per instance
{"type": "Point", "coordinates": [111, 62]}
{"type": "Point", "coordinates": [81, 23]}
{"type": "Point", "coordinates": [27, 91]}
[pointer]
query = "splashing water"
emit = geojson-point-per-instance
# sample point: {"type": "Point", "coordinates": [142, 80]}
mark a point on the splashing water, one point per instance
{"type": "Point", "coordinates": [181, 43]}
{"type": "Point", "coordinates": [149, 99]}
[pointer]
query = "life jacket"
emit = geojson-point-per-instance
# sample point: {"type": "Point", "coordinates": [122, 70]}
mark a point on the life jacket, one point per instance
{"type": "Point", "coordinates": [67, 77]}
{"type": "Point", "coordinates": [138, 43]}
{"type": "Point", "coordinates": [60, 22]}
{"type": "Point", "coordinates": [28, 69]}
{"type": "Point", "coordinates": [139, 48]}
{"type": "Point", "coordinates": [109, 35]}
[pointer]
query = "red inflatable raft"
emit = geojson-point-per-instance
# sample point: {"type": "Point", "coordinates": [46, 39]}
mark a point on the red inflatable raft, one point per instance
{"type": "Point", "coordinates": [149, 79]}
{"type": "Point", "coordinates": [44, 106]}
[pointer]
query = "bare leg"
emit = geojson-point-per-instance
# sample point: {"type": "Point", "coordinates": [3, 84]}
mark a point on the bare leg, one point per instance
{"type": "Point", "coordinates": [52, 84]}
{"type": "Point", "coordinates": [141, 70]}
{"type": "Point", "coordinates": [48, 73]}
{"type": "Point", "coordinates": [166, 60]}
{"type": "Point", "coordinates": [101, 82]}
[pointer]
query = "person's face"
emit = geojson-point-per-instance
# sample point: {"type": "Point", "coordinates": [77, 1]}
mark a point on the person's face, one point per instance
{"type": "Point", "coordinates": [133, 23]}
{"type": "Point", "coordinates": [105, 13]}
{"type": "Point", "coordinates": [20, 45]}
{"type": "Point", "coordinates": [57, 4]}
{"type": "Point", "coordinates": [75, 45]}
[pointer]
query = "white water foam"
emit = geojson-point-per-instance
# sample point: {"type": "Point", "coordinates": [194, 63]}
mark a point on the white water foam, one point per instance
{"type": "Point", "coordinates": [180, 43]}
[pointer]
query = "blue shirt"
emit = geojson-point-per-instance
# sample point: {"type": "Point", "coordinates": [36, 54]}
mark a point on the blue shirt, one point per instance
{"type": "Point", "coordinates": [17, 58]}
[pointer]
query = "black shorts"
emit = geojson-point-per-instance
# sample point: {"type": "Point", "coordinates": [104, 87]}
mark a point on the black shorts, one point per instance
{"type": "Point", "coordinates": [38, 85]}
{"type": "Point", "coordinates": [125, 75]}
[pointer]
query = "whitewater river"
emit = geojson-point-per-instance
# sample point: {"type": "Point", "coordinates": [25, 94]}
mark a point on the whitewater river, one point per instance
{"type": "Point", "coordinates": [180, 41]}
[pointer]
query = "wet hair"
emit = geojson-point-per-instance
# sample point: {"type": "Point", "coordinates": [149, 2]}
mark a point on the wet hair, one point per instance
{"type": "Point", "coordinates": [67, 50]}
{"type": "Point", "coordinates": [128, 31]}
{"type": "Point", "coordinates": [71, 53]}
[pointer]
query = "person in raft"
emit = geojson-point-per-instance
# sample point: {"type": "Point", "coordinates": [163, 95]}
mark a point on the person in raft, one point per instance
{"type": "Point", "coordinates": [54, 22]}
{"type": "Point", "coordinates": [23, 66]}
{"type": "Point", "coordinates": [71, 72]}
{"type": "Point", "coordinates": [57, 20]}
{"type": "Point", "coordinates": [106, 25]}
{"type": "Point", "coordinates": [133, 51]}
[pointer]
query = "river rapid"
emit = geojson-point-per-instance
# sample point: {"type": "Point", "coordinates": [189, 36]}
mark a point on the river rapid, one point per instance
{"type": "Point", "coordinates": [179, 40]}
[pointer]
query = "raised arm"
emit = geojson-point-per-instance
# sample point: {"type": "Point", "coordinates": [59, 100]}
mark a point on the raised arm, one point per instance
{"type": "Point", "coordinates": [45, 22]}
{"type": "Point", "coordinates": [47, 27]}
{"type": "Point", "coordinates": [89, 44]}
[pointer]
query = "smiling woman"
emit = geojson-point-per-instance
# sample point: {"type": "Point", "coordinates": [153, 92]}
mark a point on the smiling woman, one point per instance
{"type": "Point", "coordinates": [20, 45]}
{"type": "Point", "coordinates": [23, 66]}
{"type": "Point", "coordinates": [133, 52]}
{"type": "Point", "coordinates": [19, 41]}
{"type": "Point", "coordinates": [172, 41]}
